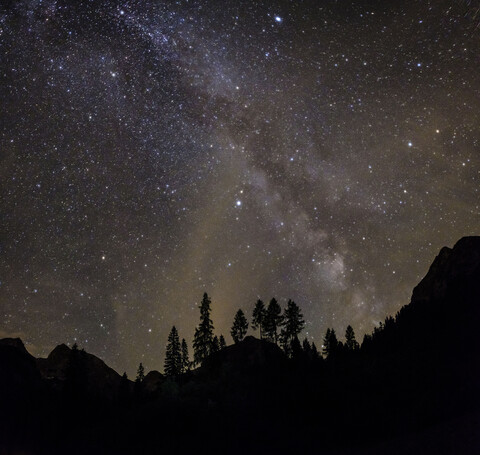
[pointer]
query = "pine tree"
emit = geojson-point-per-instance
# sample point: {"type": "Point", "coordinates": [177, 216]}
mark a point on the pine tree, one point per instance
{"type": "Point", "coordinates": [258, 317]}
{"type": "Point", "coordinates": [203, 339]}
{"type": "Point", "coordinates": [138, 386]}
{"type": "Point", "coordinates": [185, 359]}
{"type": "Point", "coordinates": [310, 350]}
{"type": "Point", "coordinates": [350, 342]}
{"type": "Point", "coordinates": [273, 320]}
{"type": "Point", "coordinates": [330, 343]}
{"type": "Point", "coordinates": [223, 345]}
{"type": "Point", "coordinates": [293, 324]}
{"type": "Point", "coordinates": [367, 341]}
{"type": "Point", "coordinates": [306, 345]}
{"type": "Point", "coordinates": [296, 351]}
{"type": "Point", "coordinates": [239, 327]}
{"type": "Point", "coordinates": [140, 374]}
{"type": "Point", "coordinates": [215, 344]}
{"type": "Point", "coordinates": [326, 340]}
{"type": "Point", "coordinates": [314, 351]}
{"type": "Point", "coordinates": [173, 357]}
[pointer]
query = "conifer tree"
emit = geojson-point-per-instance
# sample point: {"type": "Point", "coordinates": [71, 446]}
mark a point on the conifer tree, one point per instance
{"type": "Point", "coordinates": [350, 342]}
{"type": "Point", "coordinates": [173, 356]}
{"type": "Point", "coordinates": [314, 351]}
{"type": "Point", "coordinates": [367, 342]}
{"type": "Point", "coordinates": [203, 339]}
{"type": "Point", "coordinates": [140, 374]}
{"type": "Point", "coordinates": [306, 346]}
{"type": "Point", "coordinates": [293, 323]}
{"type": "Point", "coordinates": [185, 358]}
{"type": "Point", "coordinates": [330, 343]}
{"type": "Point", "coordinates": [239, 327]}
{"type": "Point", "coordinates": [215, 344]}
{"type": "Point", "coordinates": [296, 351]}
{"type": "Point", "coordinates": [138, 386]}
{"type": "Point", "coordinates": [223, 345]}
{"type": "Point", "coordinates": [310, 350]}
{"type": "Point", "coordinates": [325, 346]}
{"type": "Point", "coordinates": [272, 321]}
{"type": "Point", "coordinates": [258, 317]}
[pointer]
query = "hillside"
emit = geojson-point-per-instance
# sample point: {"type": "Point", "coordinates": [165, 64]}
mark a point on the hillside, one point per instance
{"type": "Point", "coordinates": [412, 387]}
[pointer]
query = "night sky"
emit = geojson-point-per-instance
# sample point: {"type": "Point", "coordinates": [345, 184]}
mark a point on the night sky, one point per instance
{"type": "Point", "coordinates": [150, 151]}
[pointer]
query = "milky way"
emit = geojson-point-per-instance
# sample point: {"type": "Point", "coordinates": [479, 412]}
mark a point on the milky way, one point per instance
{"type": "Point", "coordinates": [151, 151]}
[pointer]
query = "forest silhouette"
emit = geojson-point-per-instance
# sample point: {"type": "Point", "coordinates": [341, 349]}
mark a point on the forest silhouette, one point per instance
{"type": "Point", "coordinates": [412, 386]}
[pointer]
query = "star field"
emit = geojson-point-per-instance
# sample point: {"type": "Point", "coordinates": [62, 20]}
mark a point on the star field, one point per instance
{"type": "Point", "coordinates": [152, 151]}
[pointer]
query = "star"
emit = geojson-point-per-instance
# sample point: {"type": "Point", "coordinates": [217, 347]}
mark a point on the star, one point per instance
{"type": "Point", "coordinates": [148, 152]}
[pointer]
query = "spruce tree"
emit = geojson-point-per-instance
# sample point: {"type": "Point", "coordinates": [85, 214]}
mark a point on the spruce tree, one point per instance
{"type": "Point", "coordinates": [296, 351]}
{"type": "Point", "coordinates": [140, 374]}
{"type": "Point", "coordinates": [350, 342]}
{"type": "Point", "coordinates": [203, 339]}
{"type": "Point", "coordinates": [239, 327]}
{"type": "Point", "coordinates": [306, 346]}
{"type": "Point", "coordinates": [223, 345]}
{"type": "Point", "coordinates": [273, 320]}
{"type": "Point", "coordinates": [138, 386]}
{"type": "Point", "coordinates": [258, 317]}
{"type": "Point", "coordinates": [310, 350]}
{"type": "Point", "coordinates": [215, 344]}
{"type": "Point", "coordinates": [330, 344]}
{"type": "Point", "coordinates": [326, 341]}
{"type": "Point", "coordinates": [293, 324]}
{"type": "Point", "coordinates": [185, 358]}
{"type": "Point", "coordinates": [173, 356]}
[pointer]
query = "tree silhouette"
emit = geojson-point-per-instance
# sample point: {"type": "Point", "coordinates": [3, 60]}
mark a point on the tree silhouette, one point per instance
{"type": "Point", "coordinates": [367, 342]}
{"type": "Point", "coordinates": [185, 358]}
{"type": "Point", "coordinates": [293, 323]}
{"type": "Point", "coordinates": [258, 317]}
{"type": "Point", "coordinates": [203, 339]}
{"type": "Point", "coordinates": [350, 342]}
{"type": "Point", "coordinates": [140, 373]}
{"type": "Point", "coordinates": [239, 327]}
{"type": "Point", "coordinates": [138, 386]}
{"type": "Point", "coordinates": [223, 345]}
{"type": "Point", "coordinates": [215, 344]}
{"type": "Point", "coordinates": [330, 344]}
{"type": "Point", "coordinates": [173, 356]}
{"type": "Point", "coordinates": [314, 351]}
{"type": "Point", "coordinates": [296, 351]}
{"type": "Point", "coordinates": [310, 350]}
{"type": "Point", "coordinates": [306, 346]}
{"type": "Point", "coordinates": [273, 320]}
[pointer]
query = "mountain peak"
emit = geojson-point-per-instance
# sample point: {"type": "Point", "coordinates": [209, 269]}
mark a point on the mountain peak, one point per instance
{"type": "Point", "coordinates": [463, 260]}
{"type": "Point", "coordinates": [15, 343]}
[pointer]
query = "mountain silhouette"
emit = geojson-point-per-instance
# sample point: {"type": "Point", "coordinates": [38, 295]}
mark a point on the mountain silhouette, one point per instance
{"type": "Point", "coordinates": [101, 379]}
{"type": "Point", "coordinates": [412, 387]}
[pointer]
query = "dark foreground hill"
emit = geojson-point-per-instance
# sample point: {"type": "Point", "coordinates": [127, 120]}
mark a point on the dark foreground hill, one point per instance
{"type": "Point", "coordinates": [413, 387]}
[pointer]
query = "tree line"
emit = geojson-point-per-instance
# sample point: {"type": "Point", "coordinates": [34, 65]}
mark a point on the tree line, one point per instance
{"type": "Point", "coordinates": [275, 326]}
